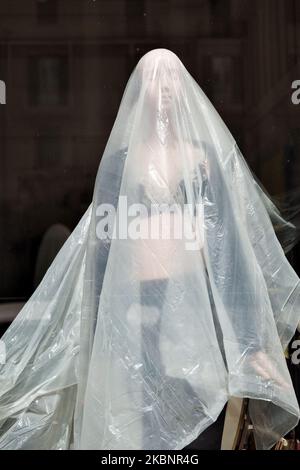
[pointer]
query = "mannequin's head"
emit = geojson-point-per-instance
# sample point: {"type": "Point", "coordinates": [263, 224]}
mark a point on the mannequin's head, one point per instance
{"type": "Point", "coordinates": [159, 82]}
{"type": "Point", "coordinates": [159, 73]}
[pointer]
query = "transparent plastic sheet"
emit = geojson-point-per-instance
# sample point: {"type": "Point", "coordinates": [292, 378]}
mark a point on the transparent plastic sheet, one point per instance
{"type": "Point", "coordinates": [284, 210]}
{"type": "Point", "coordinates": [137, 342]}
{"type": "Point", "coordinates": [38, 381]}
{"type": "Point", "coordinates": [286, 220]}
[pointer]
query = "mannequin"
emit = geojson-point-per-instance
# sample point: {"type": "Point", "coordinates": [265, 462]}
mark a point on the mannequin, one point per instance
{"type": "Point", "coordinates": [150, 319]}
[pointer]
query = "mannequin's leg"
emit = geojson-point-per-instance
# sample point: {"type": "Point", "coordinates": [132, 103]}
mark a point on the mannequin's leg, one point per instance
{"type": "Point", "coordinates": [152, 296]}
{"type": "Point", "coordinates": [151, 300]}
{"type": "Point", "coordinates": [211, 438]}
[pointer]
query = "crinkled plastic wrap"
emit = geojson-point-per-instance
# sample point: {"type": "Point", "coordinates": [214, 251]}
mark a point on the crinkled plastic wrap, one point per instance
{"type": "Point", "coordinates": [137, 343]}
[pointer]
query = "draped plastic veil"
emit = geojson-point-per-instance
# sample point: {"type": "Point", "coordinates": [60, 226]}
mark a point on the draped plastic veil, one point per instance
{"type": "Point", "coordinates": [137, 342]}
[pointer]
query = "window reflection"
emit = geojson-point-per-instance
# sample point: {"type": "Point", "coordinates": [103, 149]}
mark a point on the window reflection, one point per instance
{"type": "Point", "coordinates": [47, 11]}
{"type": "Point", "coordinates": [48, 81]}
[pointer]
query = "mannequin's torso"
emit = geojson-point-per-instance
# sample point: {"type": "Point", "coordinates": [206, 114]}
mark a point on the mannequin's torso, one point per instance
{"type": "Point", "coordinates": [162, 251]}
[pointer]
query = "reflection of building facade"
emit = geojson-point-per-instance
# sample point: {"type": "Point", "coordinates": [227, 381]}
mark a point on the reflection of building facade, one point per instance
{"type": "Point", "coordinates": [66, 65]}
{"type": "Point", "coordinates": [272, 129]}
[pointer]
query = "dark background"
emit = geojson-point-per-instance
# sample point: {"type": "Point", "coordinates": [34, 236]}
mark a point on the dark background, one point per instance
{"type": "Point", "coordinates": [66, 63]}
